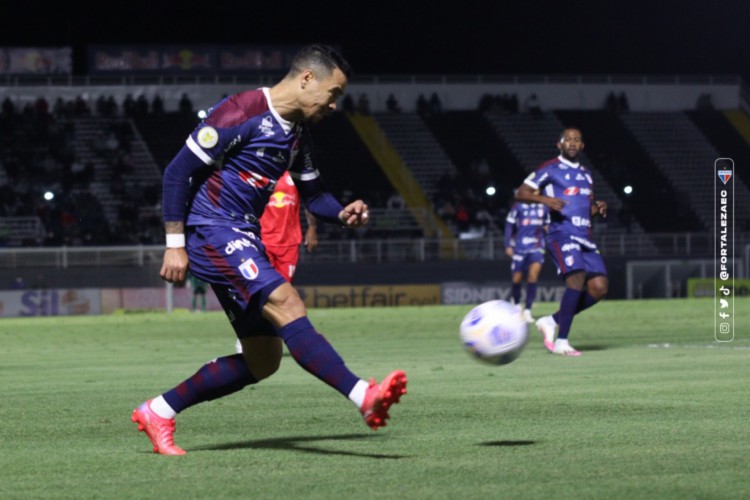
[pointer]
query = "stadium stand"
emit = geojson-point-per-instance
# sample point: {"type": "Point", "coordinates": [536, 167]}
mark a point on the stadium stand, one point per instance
{"type": "Point", "coordinates": [685, 156]}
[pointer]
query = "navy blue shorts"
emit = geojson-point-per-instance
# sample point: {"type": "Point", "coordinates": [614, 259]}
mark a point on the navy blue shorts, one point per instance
{"type": "Point", "coordinates": [571, 254]}
{"type": "Point", "coordinates": [234, 262]}
{"type": "Point", "coordinates": [520, 262]}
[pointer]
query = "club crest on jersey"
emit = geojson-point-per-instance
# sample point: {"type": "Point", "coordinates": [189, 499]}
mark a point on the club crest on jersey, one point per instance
{"type": "Point", "coordinates": [569, 260]}
{"type": "Point", "coordinates": [249, 269]}
{"type": "Point", "coordinates": [208, 137]}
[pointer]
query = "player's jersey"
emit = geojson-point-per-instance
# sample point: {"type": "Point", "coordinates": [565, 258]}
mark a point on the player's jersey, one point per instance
{"type": "Point", "coordinates": [524, 227]}
{"type": "Point", "coordinates": [571, 183]}
{"type": "Point", "coordinates": [280, 223]}
{"type": "Point", "coordinates": [246, 147]}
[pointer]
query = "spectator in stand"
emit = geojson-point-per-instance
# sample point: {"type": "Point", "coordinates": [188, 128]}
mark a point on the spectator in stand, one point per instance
{"type": "Point", "coordinates": [363, 104]}
{"type": "Point", "coordinates": [392, 104]}
{"type": "Point", "coordinates": [185, 104]}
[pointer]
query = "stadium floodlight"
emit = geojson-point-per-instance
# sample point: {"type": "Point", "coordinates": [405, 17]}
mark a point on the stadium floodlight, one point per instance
{"type": "Point", "coordinates": [628, 189]}
{"type": "Point", "coordinates": [49, 195]}
{"type": "Point", "coordinates": [490, 191]}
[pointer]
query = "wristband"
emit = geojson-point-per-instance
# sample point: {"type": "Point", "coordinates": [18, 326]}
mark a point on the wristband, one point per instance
{"type": "Point", "coordinates": [175, 240]}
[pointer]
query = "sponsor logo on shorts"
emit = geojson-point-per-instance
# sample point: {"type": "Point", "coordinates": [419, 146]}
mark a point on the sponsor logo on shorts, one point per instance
{"type": "Point", "coordinates": [235, 245]}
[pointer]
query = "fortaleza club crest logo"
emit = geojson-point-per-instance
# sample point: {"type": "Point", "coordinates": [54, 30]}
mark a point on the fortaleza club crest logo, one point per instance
{"type": "Point", "coordinates": [724, 175]}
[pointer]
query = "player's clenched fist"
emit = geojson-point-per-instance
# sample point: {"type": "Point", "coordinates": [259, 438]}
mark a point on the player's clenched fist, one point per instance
{"type": "Point", "coordinates": [355, 214]}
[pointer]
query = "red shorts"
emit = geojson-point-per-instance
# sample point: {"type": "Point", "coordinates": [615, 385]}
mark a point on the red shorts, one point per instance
{"type": "Point", "coordinates": [284, 259]}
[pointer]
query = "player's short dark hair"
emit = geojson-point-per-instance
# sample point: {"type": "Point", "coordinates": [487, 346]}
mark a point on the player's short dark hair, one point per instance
{"type": "Point", "coordinates": [320, 55]}
{"type": "Point", "coordinates": [570, 127]}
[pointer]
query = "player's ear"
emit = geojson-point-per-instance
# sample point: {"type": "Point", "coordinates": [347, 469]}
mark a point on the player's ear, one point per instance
{"type": "Point", "coordinates": [307, 77]}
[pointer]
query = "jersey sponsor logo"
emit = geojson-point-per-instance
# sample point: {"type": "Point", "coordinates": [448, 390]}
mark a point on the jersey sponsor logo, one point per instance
{"type": "Point", "coordinates": [580, 221]}
{"type": "Point", "coordinates": [279, 200]}
{"type": "Point", "coordinates": [208, 137]}
{"type": "Point", "coordinates": [255, 180]}
{"type": "Point", "coordinates": [529, 240]}
{"type": "Point", "coordinates": [235, 245]}
{"type": "Point", "coordinates": [266, 126]}
{"type": "Point", "coordinates": [571, 191]}
{"type": "Point", "coordinates": [249, 269]}
{"type": "Point", "coordinates": [570, 246]}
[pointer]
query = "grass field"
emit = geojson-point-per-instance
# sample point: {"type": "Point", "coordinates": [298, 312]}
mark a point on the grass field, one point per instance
{"type": "Point", "coordinates": [653, 409]}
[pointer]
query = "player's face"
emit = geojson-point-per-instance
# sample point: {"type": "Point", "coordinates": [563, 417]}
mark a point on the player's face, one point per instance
{"type": "Point", "coordinates": [570, 144]}
{"type": "Point", "coordinates": [320, 94]}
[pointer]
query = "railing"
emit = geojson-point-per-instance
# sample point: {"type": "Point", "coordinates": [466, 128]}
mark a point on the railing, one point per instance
{"type": "Point", "coordinates": [366, 250]}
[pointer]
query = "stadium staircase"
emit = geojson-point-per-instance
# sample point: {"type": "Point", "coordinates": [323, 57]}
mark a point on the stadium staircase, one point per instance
{"type": "Point", "coordinates": [145, 171]}
{"type": "Point", "coordinates": [686, 157]}
{"type": "Point", "coordinates": [531, 139]}
{"type": "Point", "coordinates": [411, 159]}
{"type": "Point", "coordinates": [468, 139]}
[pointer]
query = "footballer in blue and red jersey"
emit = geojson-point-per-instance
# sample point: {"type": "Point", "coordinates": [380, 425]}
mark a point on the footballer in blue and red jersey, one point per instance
{"type": "Point", "coordinates": [525, 228]}
{"type": "Point", "coordinates": [244, 147]}
{"type": "Point", "coordinates": [215, 191]}
{"type": "Point", "coordinates": [566, 187]}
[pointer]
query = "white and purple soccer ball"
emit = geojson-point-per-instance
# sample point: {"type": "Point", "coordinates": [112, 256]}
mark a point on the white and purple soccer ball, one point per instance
{"type": "Point", "coordinates": [494, 332]}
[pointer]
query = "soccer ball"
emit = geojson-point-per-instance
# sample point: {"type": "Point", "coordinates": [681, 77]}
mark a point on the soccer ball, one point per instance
{"type": "Point", "coordinates": [494, 332]}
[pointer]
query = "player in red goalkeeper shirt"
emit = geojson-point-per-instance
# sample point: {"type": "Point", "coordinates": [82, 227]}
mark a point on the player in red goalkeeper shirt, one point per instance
{"type": "Point", "coordinates": [281, 229]}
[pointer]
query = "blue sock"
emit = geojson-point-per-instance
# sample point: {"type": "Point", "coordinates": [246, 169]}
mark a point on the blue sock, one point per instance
{"type": "Point", "coordinates": [564, 317]}
{"type": "Point", "coordinates": [530, 295]}
{"type": "Point", "coordinates": [313, 353]}
{"type": "Point", "coordinates": [516, 293]}
{"type": "Point", "coordinates": [585, 302]}
{"type": "Point", "coordinates": [215, 379]}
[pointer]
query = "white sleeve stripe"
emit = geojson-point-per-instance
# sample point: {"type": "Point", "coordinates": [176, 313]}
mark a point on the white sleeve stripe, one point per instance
{"type": "Point", "coordinates": [531, 183]}
{"type": "Point", "coordinates": [196, 149]}
{"type": "Point", "coordinates": [307, 176]}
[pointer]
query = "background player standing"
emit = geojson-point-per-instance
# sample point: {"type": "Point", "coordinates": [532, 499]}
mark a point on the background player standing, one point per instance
{"type": "Point", "coordinates": [212, 223]}
{"type": "Point", "coordinates": [566, 187]}
{"type": "Point", "coordinates": [525, 228]}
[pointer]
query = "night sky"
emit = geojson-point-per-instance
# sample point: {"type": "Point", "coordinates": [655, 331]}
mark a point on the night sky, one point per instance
{"type": "Point", "coordinates": [468, 37]}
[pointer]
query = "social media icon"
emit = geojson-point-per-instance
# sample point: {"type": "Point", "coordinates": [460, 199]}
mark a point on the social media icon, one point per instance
{"type": "Point", "coordinates": [724, 328]}
{"type": "Point", "coordinates": [724, 315]}
{"type": "Point", "coordinates": [724, 290]}
{"type": "Point", "coordinates": [724, 304]}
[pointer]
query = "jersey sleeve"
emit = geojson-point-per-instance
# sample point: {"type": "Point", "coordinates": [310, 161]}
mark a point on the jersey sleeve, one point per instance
{"type": "Point", "coordinates": [537, 179]}
{"type": "Point", "coordinates": [510, 225]}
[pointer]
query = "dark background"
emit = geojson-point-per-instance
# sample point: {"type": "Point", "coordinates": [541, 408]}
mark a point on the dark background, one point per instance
{"type": "Point", "coordinates": [384, 37]}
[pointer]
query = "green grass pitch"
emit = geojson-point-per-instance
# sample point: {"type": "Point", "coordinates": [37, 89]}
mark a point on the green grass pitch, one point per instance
{"type": "Point", "coordinates": [653, 409]}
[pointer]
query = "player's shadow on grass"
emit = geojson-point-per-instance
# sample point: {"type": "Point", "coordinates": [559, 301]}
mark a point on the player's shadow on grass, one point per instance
{"type": "Point", "coordinates": [299, 443]}
{"type": "Point", "coordinates": [592, 347]}
{"type": "Point", "coordinates": [520, 442]}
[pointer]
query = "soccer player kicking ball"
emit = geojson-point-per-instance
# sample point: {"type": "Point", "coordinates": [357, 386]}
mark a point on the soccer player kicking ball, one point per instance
{"type": "Point", "coordinates": [212, 217]}
{"type": "Point", "coordinates": [565, 186]}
